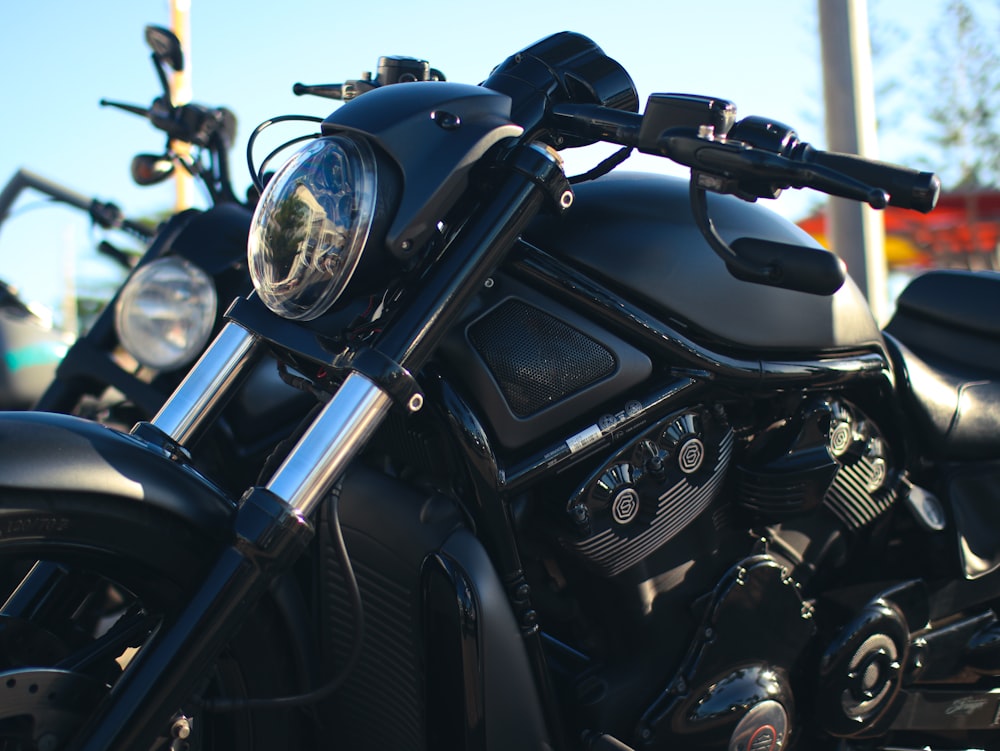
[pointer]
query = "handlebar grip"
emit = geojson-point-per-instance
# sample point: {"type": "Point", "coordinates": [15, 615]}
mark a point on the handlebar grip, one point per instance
{"type": "Point", "coordinates": [138, 229]}
{"type": "Point", "coordinates": [57, 192]}
{"type": "Point", "coordinates": [907, 188]}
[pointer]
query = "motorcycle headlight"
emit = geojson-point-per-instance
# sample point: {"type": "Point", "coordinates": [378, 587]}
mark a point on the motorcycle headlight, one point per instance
{"type": "Point", "coordinates": [165, 313]}
{"type": "Point", "coordinates": [311, 225]}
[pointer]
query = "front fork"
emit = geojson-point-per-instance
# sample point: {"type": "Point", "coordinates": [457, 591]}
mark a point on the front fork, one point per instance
{"type": "Point", "coordinates": [271, 526]}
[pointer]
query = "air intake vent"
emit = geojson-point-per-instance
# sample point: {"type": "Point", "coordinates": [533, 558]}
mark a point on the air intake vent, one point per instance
{"type": "Point", "coordinates": [536, 359]}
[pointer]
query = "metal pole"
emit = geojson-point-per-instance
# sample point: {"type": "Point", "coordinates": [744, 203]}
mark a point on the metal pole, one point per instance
{"type": "Point", "coordinates": [180, 93]}
{"type": "Point", "coordinates": [856, 232]}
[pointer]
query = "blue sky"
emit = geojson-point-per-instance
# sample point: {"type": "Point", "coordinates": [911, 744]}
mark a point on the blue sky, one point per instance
{"type": "Point", "coordinates": [60, 57]}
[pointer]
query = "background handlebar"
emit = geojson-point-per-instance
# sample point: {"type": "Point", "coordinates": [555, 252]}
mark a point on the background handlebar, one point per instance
{"type": "Point", "coordinates": [105, 214]}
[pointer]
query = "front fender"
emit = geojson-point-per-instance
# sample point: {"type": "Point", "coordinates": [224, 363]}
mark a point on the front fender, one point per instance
{"type": "Point", "coordinates": [61, 455]}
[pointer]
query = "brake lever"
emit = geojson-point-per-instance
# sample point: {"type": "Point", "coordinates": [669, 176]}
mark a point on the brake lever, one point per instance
{"type": "Point", "coordinates": [835, 183]}
{"type": "Point", "coordinates": [162, 114]}
{"type": "Point", "coordinates": [345, 91]}
{"type": "Point", "coordinates": [736, 163]}
{"type": "Point", "coordinates": [391, 69]}
{"type": "Point", "coordinates": [133, 108]}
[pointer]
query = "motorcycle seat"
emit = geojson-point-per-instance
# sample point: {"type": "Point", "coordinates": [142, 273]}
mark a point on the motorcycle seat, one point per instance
{"type": "Point", "coordinates": [944, 340]}
{"type": "Point", "coordinates": [956, 411]}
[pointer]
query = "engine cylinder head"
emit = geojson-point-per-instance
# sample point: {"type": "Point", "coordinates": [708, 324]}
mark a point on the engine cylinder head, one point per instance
{"type": "Point", "coordinates": [649, 491]}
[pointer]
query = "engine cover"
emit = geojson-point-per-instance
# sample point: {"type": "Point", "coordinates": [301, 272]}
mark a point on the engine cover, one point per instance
{"type": "Point", "coordinates": [649, 491]}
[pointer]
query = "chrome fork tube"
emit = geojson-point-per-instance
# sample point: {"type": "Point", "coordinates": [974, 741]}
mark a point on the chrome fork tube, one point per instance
{"type": "Point", "coordinates": [343, 426]}
{"type": "Point", "coordinates": [209, 383]}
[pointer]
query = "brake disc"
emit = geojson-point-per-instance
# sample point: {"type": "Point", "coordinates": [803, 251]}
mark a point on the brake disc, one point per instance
{"type": "Point", "coordinates": [45, 706]}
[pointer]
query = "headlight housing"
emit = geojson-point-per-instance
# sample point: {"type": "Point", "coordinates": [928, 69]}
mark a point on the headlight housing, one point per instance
{"type": "Point", "coordinates": [165, 313]}
{"type": "Point", "coordinates": [311, 225]}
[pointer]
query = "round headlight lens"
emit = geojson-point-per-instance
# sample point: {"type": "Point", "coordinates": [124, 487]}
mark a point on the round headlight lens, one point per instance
{"type": "Point", "coordinates": [165, 313]}
{"type": "Point", "coordinates": [311, 226]}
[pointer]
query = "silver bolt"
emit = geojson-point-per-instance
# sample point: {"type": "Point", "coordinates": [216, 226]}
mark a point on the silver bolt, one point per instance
{"type": "Point", "coordinates": [181, 728]}
{"type": "Point", "coordinates": [566, 199]}
{"type": "Point", "coordinates": [415, 403]}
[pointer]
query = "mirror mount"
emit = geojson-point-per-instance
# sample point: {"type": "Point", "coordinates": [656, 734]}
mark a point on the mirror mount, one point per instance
{"type": "Point", "coordinates": [167, 53]}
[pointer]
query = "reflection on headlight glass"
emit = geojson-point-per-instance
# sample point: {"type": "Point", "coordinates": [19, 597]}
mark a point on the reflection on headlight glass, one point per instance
{"type": "Point", "coordinates": [311, 225]}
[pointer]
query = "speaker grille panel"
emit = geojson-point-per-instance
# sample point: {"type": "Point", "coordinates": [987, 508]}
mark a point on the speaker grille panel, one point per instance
{"type": "Point", "coordinates": [535, 358]}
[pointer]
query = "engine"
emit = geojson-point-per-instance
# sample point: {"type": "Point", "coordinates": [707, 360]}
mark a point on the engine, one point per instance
{"type": "Point", "coordinates": [648, 492]}
{"type": "Point", "coordinates": [684, 553]}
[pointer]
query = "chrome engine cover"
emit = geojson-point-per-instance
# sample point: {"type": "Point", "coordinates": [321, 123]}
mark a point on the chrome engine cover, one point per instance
{"type": "Point", "coordinates": [649, 491]}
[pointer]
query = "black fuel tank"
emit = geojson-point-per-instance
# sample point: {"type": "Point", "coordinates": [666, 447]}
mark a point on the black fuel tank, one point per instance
{"type": "Point", "coordinates": [636, 232]}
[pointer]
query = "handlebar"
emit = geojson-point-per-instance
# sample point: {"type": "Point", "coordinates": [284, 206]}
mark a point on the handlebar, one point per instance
{"type": "Point", "coordinates": [191, 123]}
{"type": "Point", "coordinates": [755, 159]}
{"type": "Point", "coordinates": [104, 214]}
{"type": "Point", "coordinates": [751, 158]}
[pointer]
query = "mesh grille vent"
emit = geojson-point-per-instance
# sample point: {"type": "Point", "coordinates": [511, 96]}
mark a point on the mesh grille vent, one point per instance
{"type": "Point", "coordinates": [536, 359]}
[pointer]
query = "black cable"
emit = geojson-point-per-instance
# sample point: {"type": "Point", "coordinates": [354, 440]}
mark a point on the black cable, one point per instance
{"type": "Point", "coordinates": [255, 174]}
{"type": "Point", "coordinates": [604, 167]}
{"type": "Point", "coordinates": [279, 149]}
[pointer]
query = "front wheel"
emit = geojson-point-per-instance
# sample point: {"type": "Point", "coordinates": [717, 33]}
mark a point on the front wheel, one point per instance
{"type": "Point", "coordinates": [85, 581]}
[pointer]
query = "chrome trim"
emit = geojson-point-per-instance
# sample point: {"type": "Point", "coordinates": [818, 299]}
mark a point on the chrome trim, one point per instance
{"type": "Point", "coordinates": [209, 383]}
{"type": "Point", "coordinates": [342, 428]}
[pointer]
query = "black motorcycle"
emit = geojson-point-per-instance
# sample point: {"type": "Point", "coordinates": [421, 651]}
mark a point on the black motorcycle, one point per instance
{"type": "Point", "coordinates": [617, 464]}
{"type": "Point", "coordinates": [141, 345]}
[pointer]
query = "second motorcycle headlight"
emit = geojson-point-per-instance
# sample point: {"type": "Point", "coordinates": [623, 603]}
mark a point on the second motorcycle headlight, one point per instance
{"type": "Point", "coordinates": [165, 313]}
{"type": "Point", "coordinates": [311, 225]}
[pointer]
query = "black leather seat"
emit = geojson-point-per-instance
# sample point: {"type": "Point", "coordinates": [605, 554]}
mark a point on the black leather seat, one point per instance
{"type": "Point", "coordinates": [944, 340]}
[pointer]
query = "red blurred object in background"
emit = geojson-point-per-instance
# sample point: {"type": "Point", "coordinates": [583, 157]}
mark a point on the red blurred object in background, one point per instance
{"type": "Point", "coordinates": [962, 232]}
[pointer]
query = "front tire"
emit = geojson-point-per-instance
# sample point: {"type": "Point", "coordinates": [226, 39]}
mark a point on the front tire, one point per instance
{"type": "Point", "coordinates": [109, 571]}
